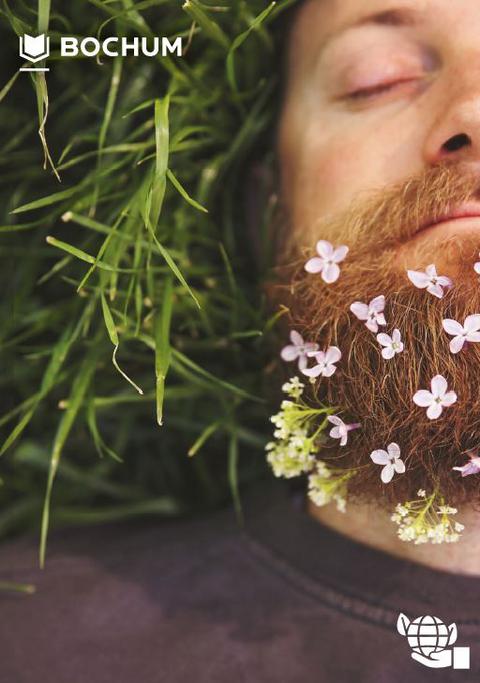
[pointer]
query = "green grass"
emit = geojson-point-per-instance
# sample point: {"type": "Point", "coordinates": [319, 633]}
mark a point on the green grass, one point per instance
{"type": "Point", "coordinates": [134, 328]}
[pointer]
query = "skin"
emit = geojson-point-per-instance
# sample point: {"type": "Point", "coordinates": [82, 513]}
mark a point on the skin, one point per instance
{"type": "Point", "coordinates": [418, 106]}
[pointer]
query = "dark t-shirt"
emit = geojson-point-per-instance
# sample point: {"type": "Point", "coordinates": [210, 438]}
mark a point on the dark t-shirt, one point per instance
{"type": "Point", "coordinates": [284, 600]}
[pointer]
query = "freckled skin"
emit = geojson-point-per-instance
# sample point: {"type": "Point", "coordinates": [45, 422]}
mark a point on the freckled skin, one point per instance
{"type": "Point", "coordinates": [332, 151]}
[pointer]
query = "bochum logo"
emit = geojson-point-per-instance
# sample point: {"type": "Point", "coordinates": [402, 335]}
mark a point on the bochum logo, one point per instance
{"type": "Point", "coordinates": [34, 49]}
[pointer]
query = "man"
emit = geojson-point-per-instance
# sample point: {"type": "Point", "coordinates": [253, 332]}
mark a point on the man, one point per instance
{"type": "Point", "coordinates": [379, 144]}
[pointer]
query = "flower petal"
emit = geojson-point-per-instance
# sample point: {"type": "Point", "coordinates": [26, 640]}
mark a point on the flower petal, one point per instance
{"type": "Point", "coordinates": [344, 439]}
{"type": "Point", "coordinates": [315, 371]}
{"type": "Point", "coordinates": [419, 279]}
{"type": "Point", "coordinates": [372, 325]}
{"type": "Point", "coordinates": [396, 336]}
{"type": "Point", "coordinates": [456, 344]}
{"type": "Point", "coordinates": [380, 457]}
{"type": "Point", "coordinates": [393, 450]}
{"type": "Point", "coordinates": [423, 398]}
{"type": "Point", "coordinates": [472, 323]}
{"type": "Point", "coordinates": [330, 273]}
{"type": "Point", "coordinates": [473, 336]}
{"type": "Point", "coordinates": [289, 353]}
{"type": "Point", "coordinates": [436, 290]}
{"type": "Point", "coordinates": [360, 310]}
{"type": "Point", "coordinates": [314, 265]}
{"type": "Point", "coordinates": [335, 420]}
{"type": "Point", "coordinates": [333, 354]}
{"type": "Point", "coordinates": [452, 326]}
{"type": "Point", "coordinates": [329, 370]}
{"type": "Point", "coordinates": [449, 398]}
{"type": "Point", "coordinates": [439, 385]}
{"type": "Point", "coordinates": [335, 433]}
{"type": "Point", "coordinates": [310, 347]}
{"type": "Point", "coordinates": [434, 411]}
{"type": "Point", "coordinates": [381, 319]}
{"type": "Point", "coordinates": [384, 339]}
{"type": "Point", "coordinates": [388, 352]}
{"type": "Point", "coordinates": [302, 361]}
{"type": "Point", "coordinates": [399, 466]}
{"type": "Point", "coordinates": [431, 270]}
{"type": "Point", "coordinates": [340, 253]}
{"type": "Point", "coordinates": [387, 473]}
{"type": "Point", "coordinates": [444, 281]}
{"type": "Point", "coordinates": [296, 338]}
{"type": "Point", "coordinates": [476, 267]}
{"type": "Point", "coordinates": [324, 249]}
{"type": "Point", "coordinates": [378, 304]}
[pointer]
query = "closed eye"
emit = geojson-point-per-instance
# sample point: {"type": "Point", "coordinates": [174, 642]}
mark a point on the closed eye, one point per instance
{"type": "Point", "coordinates": [366, 93]}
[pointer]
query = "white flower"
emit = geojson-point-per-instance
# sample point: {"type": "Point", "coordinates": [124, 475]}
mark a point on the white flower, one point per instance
{"type": "Point", "coordinates": [422, 493]}
{"type": "Point", "coordinates": [372, 313]}
{"type": "Point", "coordinates": [325, 362]}
{"type": "Point", "coordinates": [429, 280]}
{"type": "Point", "coordinates": [393, 344]}
{"type": "Point", "coordinates": [468, 332]}
{"type": "Point", "coordinates": [476, 266]}
{"type": "Point", "coordinates": [391, 461]}
{"type": "Point", "coordinates": [436, 399]}
{"type": "Point", "coordinates": [340, 431]}
{"type": "Point", "coordinates": [327, 261]}
{"type": "Point", "coordinates": [293, 388]}
{"type": "Point", "coordinates": [297, 349]}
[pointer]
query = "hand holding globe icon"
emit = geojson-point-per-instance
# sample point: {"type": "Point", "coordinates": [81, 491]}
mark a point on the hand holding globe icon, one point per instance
{"type": "Point", "coordinates": [429, 639]}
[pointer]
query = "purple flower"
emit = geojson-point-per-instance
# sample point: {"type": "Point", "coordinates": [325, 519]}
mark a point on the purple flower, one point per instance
{"type": "Point", "coordinates": [340, 431]}
{"type": "Point", "coordinates": [429, 280]}
{"type": "Point", "coordinates": [372, 313]}
{"type": "Point", "coordinates": [471, 467]}
{"type": "Point", "coordinates": [325, 362]}
{"type": "Point", "coordinates": [393, 344]}
{"type": "Point", "coordinates": [298, 349]}
{"type": "Point", "coordinates": [468, 332]}
{"type": "Point", "coordinates": [391, 461]}
{"type": "Point", "coordinates": [327, 261]}
{"type": "Point", "coordinates": [436, 399]}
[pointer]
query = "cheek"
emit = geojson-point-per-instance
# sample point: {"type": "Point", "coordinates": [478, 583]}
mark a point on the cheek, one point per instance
{"type": "Point", "coordinates": [329, 170]}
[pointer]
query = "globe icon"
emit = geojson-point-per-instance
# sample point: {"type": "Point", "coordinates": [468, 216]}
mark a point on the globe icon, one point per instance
{"type": "Point", "coordinates": [427, 634]}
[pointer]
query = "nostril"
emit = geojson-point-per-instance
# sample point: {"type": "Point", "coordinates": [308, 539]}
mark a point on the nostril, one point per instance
{"type": "Point", "coordinates": [456, 142]}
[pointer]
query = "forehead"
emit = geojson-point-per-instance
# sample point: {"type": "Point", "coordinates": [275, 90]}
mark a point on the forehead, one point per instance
{"type": "Point", "coordinates": [319, 21]}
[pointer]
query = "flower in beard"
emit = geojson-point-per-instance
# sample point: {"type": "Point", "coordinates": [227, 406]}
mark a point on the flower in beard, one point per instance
{"type": "Point", "coordinates": [371, 313]}
{"type": "Point", "coordinates": [340, 431]}
{"type": "Point", "coordinates": [468, 332]}
{"type": "Point", "coordinates": [392, 344]}
{"type": "Point", "coordinates": [298, 349]}
{"type": "Point", "coordinates": [391, 461]}
{"type": "Point", "coordinates": [471, 467]}
{"type": "Point", "coordinates": [437, 399]}
{"type": "Point", "coordinates": [325, 362]}
{"type": "Point", "coordinates": [476, 266]}
{"type": "Point", "coordinates": [429, 280]}
{"type": "Point", "coordinates": [327, 261]}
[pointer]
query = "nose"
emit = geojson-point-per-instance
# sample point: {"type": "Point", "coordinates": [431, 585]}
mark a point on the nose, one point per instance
{"type": "Point", "coordinates": [455, 133]}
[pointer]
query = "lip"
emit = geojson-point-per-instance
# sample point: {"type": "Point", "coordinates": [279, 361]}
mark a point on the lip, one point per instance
{"type": "Point", "coordinates": [454, 216]}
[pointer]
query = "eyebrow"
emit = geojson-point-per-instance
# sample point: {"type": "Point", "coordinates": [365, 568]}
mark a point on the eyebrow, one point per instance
{"type": "Point", "coordinates": [395, 16]}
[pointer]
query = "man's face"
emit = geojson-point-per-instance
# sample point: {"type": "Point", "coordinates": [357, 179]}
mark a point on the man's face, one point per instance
{"type": "Point", "coordinates": [378, 92]}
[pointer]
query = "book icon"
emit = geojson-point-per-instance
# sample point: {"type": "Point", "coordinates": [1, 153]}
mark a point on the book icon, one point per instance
{"type": "Point", "coordinates": [34, 48]}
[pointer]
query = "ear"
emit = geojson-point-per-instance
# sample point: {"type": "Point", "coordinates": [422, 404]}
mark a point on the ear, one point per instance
{"type": "Point", "coordinates": [452, 629]}
{"type": "Point", "coordinates": [403, 623]}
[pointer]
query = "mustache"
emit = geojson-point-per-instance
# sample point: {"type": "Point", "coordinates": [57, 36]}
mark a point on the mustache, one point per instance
{"type": "Point", "coordinates": [389, 217]}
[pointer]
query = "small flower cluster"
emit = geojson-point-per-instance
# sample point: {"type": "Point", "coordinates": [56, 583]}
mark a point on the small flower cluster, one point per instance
{"type": "Point", "coordinates": [328, 484]}
{"type": "Point", "coordinates": [426, 519]}
{"type": "Point", "coordinates": [293, 451]}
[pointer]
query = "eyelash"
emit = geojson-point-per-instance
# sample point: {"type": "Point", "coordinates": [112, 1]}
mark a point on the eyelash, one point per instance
{"type": "Point", "coordinates": [367, 93]}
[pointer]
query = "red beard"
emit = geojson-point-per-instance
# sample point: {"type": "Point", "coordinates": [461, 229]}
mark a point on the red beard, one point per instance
{"type": "Point", "coordinates": [376, 392]}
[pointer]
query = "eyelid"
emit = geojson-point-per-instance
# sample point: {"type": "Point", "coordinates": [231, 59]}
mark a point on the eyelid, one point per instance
{"type": "Point", "coordinates": [378, 89]}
